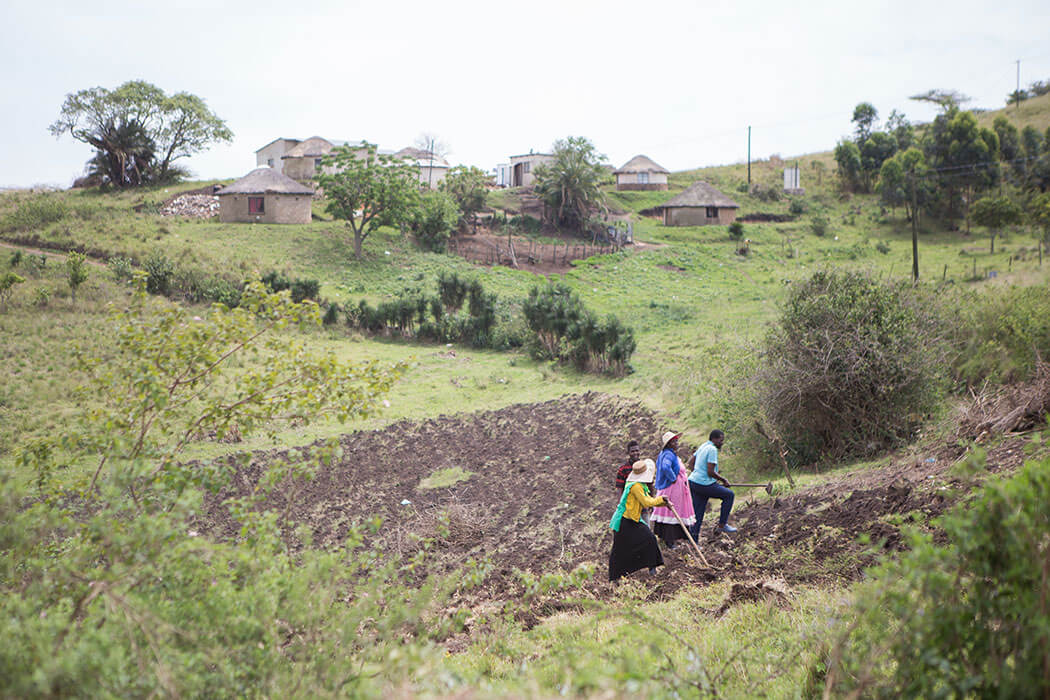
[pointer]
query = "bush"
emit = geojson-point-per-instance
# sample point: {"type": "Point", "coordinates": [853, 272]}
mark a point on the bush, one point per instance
{"type": "Point", "coordinates": [526, 223]}
{"type": "Point", "coordinates": [798, 206]}
{"type": "Point", "coordinates": [16, 258]}
{"type": "Point", "coordinates": [851, 366]}
{"type": "Point", "coordinates": [819, 225]}
{"type": "Point", "coordinates": [766, 193]}
{"type": "Point", "coordinates": [1000, 335]}
{"type": "Point", "coordinates": [434, 220]}
{"type": "Point", "coordinates": [35, 213]}
{"type": "Point", "coordinates": [159, 273]}
{"type": "Point", "coordinates": [122, 269]}
{"type": "Point", "coordinates": [301, 289]}
{"type": "Point", "coordinates": [967, 619]}
{"type": "Point", "coordinates": [736, 230]}
{"type": "Point", "coordinates": [883, 247]}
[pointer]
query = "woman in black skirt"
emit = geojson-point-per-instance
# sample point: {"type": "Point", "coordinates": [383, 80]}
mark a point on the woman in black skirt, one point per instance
{"type": "Point", "coordinates": [634, 545]}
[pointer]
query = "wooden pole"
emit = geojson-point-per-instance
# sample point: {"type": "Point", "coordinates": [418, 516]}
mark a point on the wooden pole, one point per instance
{"type": "Point", "coordinates": [687, 533]}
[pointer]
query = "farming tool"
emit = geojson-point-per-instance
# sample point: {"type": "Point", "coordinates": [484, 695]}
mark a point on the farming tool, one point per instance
{"type": "Point", "coordinates": [768, 487]}
{"type": "Point", "coordinates": [688, 534]}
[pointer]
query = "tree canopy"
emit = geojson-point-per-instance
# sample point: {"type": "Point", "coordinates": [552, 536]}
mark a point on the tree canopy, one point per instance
{"type": "Point", "coordinates": [138, 131]}
{"type": "Point", "coordinates": [466, 186]}
{"type": "Point", "coordinates": [570, 185]}
{"type": "Point", "coordinates": [367, 190]}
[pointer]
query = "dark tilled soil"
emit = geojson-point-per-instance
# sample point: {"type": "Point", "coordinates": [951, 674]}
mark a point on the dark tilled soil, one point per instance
{"type": "Point", "coordinates": [541, 493]}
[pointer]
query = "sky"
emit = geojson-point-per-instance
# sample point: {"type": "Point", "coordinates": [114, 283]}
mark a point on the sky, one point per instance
{"type": "Point", "coordinates": [677, 81]}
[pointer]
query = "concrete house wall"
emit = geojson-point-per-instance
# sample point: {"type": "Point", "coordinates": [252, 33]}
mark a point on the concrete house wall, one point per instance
{"type": "Point", "coordinates": [271, 153]}
{"type": "Point", "coordinates": [277, 209]}
{"type": "Point", "coordinates": [698, 216]}
{"type": "Point", "coordinates": [633, 181]}
{"type": "Point", "coordinates": [523, 168]}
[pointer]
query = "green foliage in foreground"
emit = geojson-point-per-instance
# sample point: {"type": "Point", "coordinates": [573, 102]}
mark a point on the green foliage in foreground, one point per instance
{"type": "Point", "coordinates": [965, 619]}
{"type": "Point", "coordinates": [105, 587]}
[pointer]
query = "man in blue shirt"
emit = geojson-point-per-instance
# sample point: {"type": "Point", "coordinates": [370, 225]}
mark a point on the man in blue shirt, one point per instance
{"type": "Point", "coordinates": [705, 482]}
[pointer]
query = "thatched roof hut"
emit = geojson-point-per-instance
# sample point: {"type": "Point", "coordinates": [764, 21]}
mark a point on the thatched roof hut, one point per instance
{"type": "Point", "coordinates": [699, 204]}
{"type": "Point", "coordinates": [641, 173]}
{"type": "Point", "coordinates": [265, 196]}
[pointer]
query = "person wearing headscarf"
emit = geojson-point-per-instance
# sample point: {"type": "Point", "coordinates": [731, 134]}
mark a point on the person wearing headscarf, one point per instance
{"type": "Point", "coordinates": [634, 545]}
{"type": "Point", "coordinates": [672, 483]}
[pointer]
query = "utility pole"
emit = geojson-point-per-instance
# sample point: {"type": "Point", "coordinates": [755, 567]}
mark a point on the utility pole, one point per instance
{"type": "Point", "coordinates": [749, 156]}
{"type": "Point", "coordinates": [914, 232]}
{"type": "Point", "coordinates": [1017, 93]}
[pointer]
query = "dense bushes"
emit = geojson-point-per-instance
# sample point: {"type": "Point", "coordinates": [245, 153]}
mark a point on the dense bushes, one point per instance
{"type": "Point", "coordinates": [565, 330]}
{"type": "Point", "coordinates": [434, 220]}
{"type": "Point", "coordinates": [1000, 336]}
{"type": "Point", "coordinates": [963, 619]}
{"type": "Point", "coordinates": [35, 213]}
{"type": "Point", "coordinates": [300, 289]}
{"type": "Point", "coordinates": [852, 365]}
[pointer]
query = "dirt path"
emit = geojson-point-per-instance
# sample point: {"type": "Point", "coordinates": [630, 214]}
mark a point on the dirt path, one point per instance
{"type": "Point", "coordinates": [52, 253]}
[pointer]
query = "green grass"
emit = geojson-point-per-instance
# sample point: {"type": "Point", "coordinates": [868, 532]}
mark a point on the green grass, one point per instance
{"type": "Point", "coordinates": [444, 478]}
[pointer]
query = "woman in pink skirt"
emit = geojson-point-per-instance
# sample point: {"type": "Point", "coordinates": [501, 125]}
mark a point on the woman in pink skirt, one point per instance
{"type": "Point", "coordinates": [671, 481]}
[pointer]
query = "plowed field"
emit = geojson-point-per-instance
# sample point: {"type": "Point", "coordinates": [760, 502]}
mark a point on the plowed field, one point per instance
{"type": "Point", "coordinates": [536, 493]}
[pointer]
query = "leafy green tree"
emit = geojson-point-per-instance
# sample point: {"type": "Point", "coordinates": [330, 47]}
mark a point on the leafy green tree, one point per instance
{"type": "Point", "coordinates": [901, 129]}
{"type": "Point", "coordinates": [138, 130]}
{"type": "Point", "coordinates": [966, 157]}
{"type": "Point", "coordinates": [947, 100]}
{"type": "Point", "coordinates": [466, 185]}
{"type": "Point", "coordinates": [8, 280]}
{"type": "Point", "coordinates": [76, 271]}
{"type": "Point", "coordinates": [904, 181]}
{"type": "Point", "coordinates": [864, 117]}
{"type": "Point", "coordinates": [874, 151]}
{"type": "Point", "coordinates": [570, 185]}
{"type": "Point", "coordinates": [367, 190]}
{"type": "Point", "coordinates": [434, 220]}
{"type": "Point", "coordinates": [995, 213]}
{"type": "Point", "coordinates": [1016, 97]}
{"type": "Point", "coordinates": [1039, 214]}
{"type": "Point", "coordinates": [847, 157]}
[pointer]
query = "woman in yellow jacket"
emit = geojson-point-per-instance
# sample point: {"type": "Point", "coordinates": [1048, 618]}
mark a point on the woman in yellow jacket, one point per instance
{"type": "Point", "coordinates": [634, 545]}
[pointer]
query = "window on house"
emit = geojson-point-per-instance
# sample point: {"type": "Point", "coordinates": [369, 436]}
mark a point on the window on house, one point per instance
{"type": "Point", "coordinates": [269, 162]}
{"type": "Point", "coordinates": [528, 167]}
{"type": "Point", "coordinates": [712, 212]}
{"type": "Point", "coordinates": [317, 163]}
{"type": "Point", "coordinates": [643, 178]}
{"type": "Point", "coordinates": [255, 205]}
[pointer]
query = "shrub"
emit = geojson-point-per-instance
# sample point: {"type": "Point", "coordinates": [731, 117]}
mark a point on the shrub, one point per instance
{"type": "Point", "coordinates": [452, 290]}
{"type": "Point", "coordinates": [16, 258]}
{"type": "Point", "coordinates": [76, 272]}
{"type": "Point", "coordinates": [1000, 335]}
{"type": "Point", "coordinates": [798, 206]}
{"type": "Point", "coordinates": [42, 296]}
{"type": "Point", "coordinates": [122, 269]}
{"type": "Point", "coordinates": [434, 220]}
{"type": "Point", "coordinates": [966, 619]}
{"type": "Point", "coordinates": [300, 289]}
{"type": "Point", "coordinates": [883, 247]}
{"type": "Point", "coordinates": [331, 314]}
{"type": "Point", "coordinates": [526, 223]}
{"type": "Point", "coordinates": [819, 225]}
{"type": "Point", "coordinates": [851, 366]}
{"type": "Point", "coordinates": [8, 280]}
{"type": "Point", "coordinates": [35, 213]}
{"type": "Point", "coordinates": [159, 273]}
{"type": "Point", "coordinates": [766, 193]}
{"type": "Point", "coordinates": [736, 230]}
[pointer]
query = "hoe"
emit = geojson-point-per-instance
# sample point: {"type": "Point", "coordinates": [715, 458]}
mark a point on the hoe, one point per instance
{"type": "Point", "coordinates": [768, 487]}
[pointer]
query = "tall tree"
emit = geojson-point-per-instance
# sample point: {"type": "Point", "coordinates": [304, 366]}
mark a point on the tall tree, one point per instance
{"type": "Point", "coordinates": [874, 151]}
{"type": "Point", "coordinates": [847, 158]}
{"type": "Point", "coordinates": [570, 185]}
{"type": "Point", "coordinates": [994, 213]}
{"type": "Point", "coordinates": [966, 157]}
{"type": "Point", "coordinates": [367, 190]}
{"type": "Point", "coordinates": [905, 180]}
{"type": "Point", "coordinates": [864, 117]}
{"type": "Point", "coordinates": [162, 128]}
{"type": "Point", "coordinates": [901, 130]}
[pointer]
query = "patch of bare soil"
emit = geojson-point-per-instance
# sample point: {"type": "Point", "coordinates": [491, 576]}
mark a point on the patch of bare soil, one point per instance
{"type": "Point", "coordinates": [541, 491]}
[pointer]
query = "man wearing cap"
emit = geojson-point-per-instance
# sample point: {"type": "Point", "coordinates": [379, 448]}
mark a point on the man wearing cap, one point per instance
{"type": "Point", "coordinates": [705, 483]}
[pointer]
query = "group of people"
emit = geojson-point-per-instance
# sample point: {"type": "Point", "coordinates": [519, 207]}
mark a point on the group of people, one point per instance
{"type": "Point", "coordinates": [658, 498]}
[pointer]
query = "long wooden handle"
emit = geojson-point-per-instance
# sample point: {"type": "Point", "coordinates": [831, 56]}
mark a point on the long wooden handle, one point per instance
{"type": "Point", "coordinates": [687, 533]}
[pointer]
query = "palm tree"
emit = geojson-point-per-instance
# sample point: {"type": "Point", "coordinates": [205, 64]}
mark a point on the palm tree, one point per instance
{"type": "Point", "coordinates": [125, 153]}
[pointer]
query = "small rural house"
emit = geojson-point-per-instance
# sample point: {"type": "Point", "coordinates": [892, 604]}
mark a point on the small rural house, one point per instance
{"type": "Point", "coordinates": [265, 196]}
{"type": "Point", "coordinates": [699, 204]}
{"type": "Point", "coordinates": [641, 173]}
{"type": "Point", "coordinates": [299, 160]}
{"type": "Point", "coordinates": [523, 168]}
{"type": "Point", "coordinates": [270, 155]}
{"type": "Point", "coordinates": [432, 168]}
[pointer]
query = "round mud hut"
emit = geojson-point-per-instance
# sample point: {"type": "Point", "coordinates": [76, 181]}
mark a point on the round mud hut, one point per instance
{"type": "Point", "coordinates": [700, 204]}
{"type": "Point", "coordinates": [265, 196]}
{"type": "Point", "coordinates": [641, 173]}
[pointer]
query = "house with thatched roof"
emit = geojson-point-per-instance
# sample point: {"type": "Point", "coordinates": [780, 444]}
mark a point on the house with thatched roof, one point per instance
{"type": "Point", "coordinates": [699, 204]}
{"type": "Point", "coordinates": [431, 167]}
{"type": "Point", "coordinates": [265, 196]}
{"type": "Point", "coordinates": [641, 173]}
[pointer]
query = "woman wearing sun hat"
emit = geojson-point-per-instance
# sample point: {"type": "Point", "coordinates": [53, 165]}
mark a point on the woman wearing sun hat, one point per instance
{"type": "Point", "coordinates": [672, 482]}
{"type": "Point", "coordinates": [634, 545]}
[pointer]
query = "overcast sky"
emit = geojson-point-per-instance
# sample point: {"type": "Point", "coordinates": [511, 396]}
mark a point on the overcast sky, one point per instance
{"type": "Point", "coordinates": [677, 81]}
